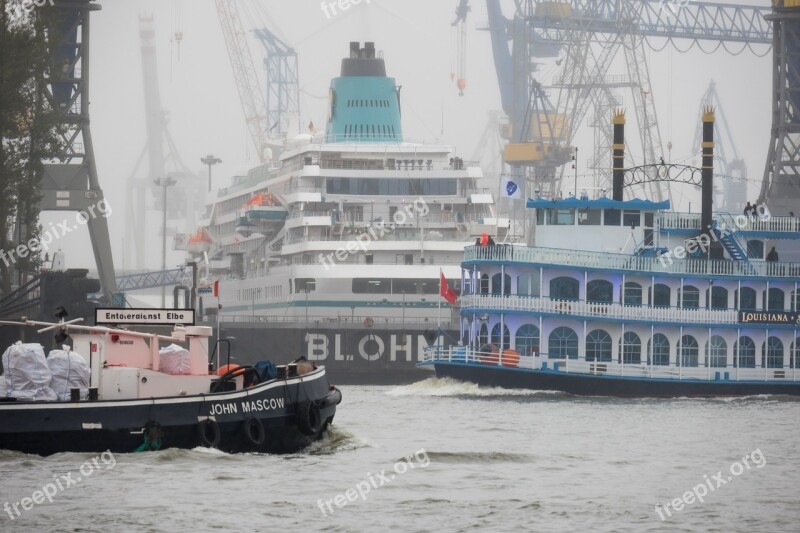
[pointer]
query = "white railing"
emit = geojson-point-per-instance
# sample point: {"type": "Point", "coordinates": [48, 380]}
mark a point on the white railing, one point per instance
{"type": "Point", "coordinates": [541, 362]}
{"type": "Point", "coordinates": [733, 221]}
{"type": "Point", "coordinates": [600, 310]}
{"type": "Point", "coordinates": [603, 260]}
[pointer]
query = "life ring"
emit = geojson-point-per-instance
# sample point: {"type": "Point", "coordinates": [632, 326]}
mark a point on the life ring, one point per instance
{"type": "Point", "coordinates": [309, 420]}
{"type": "Point", "coordinates": [208, 431]}
{"type": "Point", "coordinates": [254, 431]}
{"type": "Point", "coordinates": [369, 322]}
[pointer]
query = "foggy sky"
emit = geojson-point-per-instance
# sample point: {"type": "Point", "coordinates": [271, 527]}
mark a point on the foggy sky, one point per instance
{"type": "Point", "coordinates": [205, 115]}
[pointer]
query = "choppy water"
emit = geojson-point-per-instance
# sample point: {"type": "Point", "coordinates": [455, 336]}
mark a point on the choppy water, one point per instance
{"type": "Point", "coordinates": [493, 459]}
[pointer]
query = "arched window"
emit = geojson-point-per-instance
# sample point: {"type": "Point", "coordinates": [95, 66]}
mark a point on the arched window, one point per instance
{"type": "Point", "coordinates": [746, 299]}
{"type": "Point", "coordinates": [564, 288]}
{"type": "Point", "coordinates": [598, 346]}
{"type": "Point", "coordinates": [483, 335]}
{"type": "Point", "coordinates": [687, 349]}
{"type": "Point", "coordinates": [772, 353]}
{"type": "Point", "coordinates": [600, 291]}
{"type": "Point", "coordinates": [717, 298]}
{"type": "Point", "coordinates": [660, 295]}
{"type": "Point", "coordinates": [794, 354]}
{"type": "Point", "coordinates": [659, 348]}
{"type": "Point", "coordinates": [523, 284]}
{"type": "Point", "coordinates": [630, 346]}
{"type": "Point", "coordinates": [496, 284]}
{"type": "Point", "coordinates": [505, 342]}
{"type": "Point", "coordinates": [632, 294]}
{"type": "Point", "coordinates": [744, 351]}
{"type": "Point", "coordinates": [716, 352]}
{"type": "Point", "coordinates": [773, 299]}
{"type": "Point", "coordinates": [527, 340]}
{"type": "Point", "coordinates": [796, 300]}
{"type": "Point", "coordinates": [755, 249]}
{"type": "Point", "coordinates": [484, 283]}
{"type": "Point", "coordinates": [563, 343]}
{"type": "Point", "coordinates": [689, 297]}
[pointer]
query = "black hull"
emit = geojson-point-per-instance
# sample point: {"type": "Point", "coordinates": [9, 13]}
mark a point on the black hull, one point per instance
{"type": "Point", "coordinates": [358, 356]}
{"type": "Point", "coordinates": [266, 418]}
{"type": "Point", "coordinates": [592, 385]}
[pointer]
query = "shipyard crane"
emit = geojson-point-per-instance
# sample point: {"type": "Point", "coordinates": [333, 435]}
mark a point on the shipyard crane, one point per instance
{"type": "Point", "coordinates": [587, 35]}
{"type": "Point", "coordinates": [460, 23]}
{"type": "Point", "coordinates": [268, 115]}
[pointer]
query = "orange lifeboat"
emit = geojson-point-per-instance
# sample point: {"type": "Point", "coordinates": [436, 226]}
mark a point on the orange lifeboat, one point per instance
{"type": "Point", "coordinates": [199, 242]}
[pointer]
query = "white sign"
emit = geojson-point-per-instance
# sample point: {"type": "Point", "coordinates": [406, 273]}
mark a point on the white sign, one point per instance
{"type": "Point", "coordinates": [144, 316]}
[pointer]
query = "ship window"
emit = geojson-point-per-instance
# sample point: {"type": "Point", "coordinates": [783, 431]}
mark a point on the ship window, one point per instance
{"type": "Point", "coordinates": [564, 217]}
{"type": "Point", "coordinates": [484, 283]}
{"type": "Point", "coordinates": [716, 352]}
{"type": "Point", "coordinates": [746, 299]}
{"type": "Point", "coordinates": [305, 284]}
{"type": "Point", "coordinates": [506, 282]}
{"type": "Point", "coordinates": [687, 350]}
{"type": "Point", "coordinates": [544, 216]}
{"type": "Point", "coordinates": [564, 288]}
{"type": "Point", "coordinates": [772, 353]}
{"type": "Point", "coordinates": [563, 343]}
{"type": "Point", "coordinates": [630, 346]}
{"type": "Point", "coordinates": [689, 297]}
{"type": "Point", "coordinates": [600, 291]}
{"type": "Point", "coordinates": [718, 299]}
{"type": "Point", "coordinates": [755, 249]}
{"type": "Point", "coordinates": [598, 346]}
{"type": "Point", "coordinates": [632, 294]}
{"type": "Point", "coordinates": [744, 350]}
{"type": "Point", "coordinates": [773, 299]}
{"type": "Point", "coordinates": [372, 286]}
{"type": "Point", "coordinates": [659, 348]}
{"type": "Point", "coordinates": [420, 286]}
{"type": "Point", "coordinates": [526, 341]}
{"type": "Point", "coordinates": [612, 217]}
{"type": "Point", "coordinates": [528, 284]}
{"type": "Point", "coordinates": [661, 295]}
{"type": "Point", "coordinates": [483, 335]}
{"type": "Point", "coordinates": [648, 220]}
{"type": "Point", "coordinates": [631, 219]}
{"type": "Point", "coordinates": [794, 354]}
{"type": "Point", "coordinates": [506, 340]}
{"type": "Point", "coordinates": [796, 300]}
{"type": "Point", "coordinates": [589, 217]}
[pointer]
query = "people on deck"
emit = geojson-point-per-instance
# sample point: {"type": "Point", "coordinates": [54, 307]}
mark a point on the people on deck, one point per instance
{"type": "Point", "coordinates": [772, 255]}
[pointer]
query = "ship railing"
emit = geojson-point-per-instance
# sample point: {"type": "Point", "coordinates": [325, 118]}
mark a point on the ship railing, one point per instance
{"type": "Point", "coordinates": [732, 221]}
{"type": "Point", "coordinates": [510, 358]}
{"type": "Point", "coordinates": [598, 309]}
{"type": "Point", "coordinates": [355, 321]}
{"type": "Point", "coordinates": [609, 261]}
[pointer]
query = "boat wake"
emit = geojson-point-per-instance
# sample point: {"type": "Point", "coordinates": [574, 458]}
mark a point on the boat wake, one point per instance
{"type": "Point", "coordinates": [479, 457]}
{"type": "Point", "coordinates": [452, 387]}
{"type": "Point", "coordinates": [334, 441]}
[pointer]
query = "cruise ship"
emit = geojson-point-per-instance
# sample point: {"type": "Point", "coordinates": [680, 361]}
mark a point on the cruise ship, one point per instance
{"type": "Point", "coordinates": [334, 250]}
{"type": "Point", "coordinates": [645, 302]}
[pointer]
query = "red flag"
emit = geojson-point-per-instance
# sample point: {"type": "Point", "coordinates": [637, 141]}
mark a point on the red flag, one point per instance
{"type": "Point", "coordinates": [445, 291]}
{"type": "Point", "coordinates": [216, 288]}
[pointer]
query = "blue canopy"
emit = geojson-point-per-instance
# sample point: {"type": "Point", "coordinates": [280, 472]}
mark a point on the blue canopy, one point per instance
{"type": "Point", "coordinates": [600, 203]}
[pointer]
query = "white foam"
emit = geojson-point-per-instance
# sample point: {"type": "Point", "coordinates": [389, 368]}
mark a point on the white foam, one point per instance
{"type": "Point", "coordinates": [452, 387]}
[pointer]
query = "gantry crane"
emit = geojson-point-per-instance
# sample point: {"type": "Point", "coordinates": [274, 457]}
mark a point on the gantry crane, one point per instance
{"type": "Point", "coordinates": [588, 35]}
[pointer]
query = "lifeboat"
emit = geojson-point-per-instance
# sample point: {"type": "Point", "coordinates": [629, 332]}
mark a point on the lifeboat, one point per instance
{"type": "Point", "coordinates": [264, 209]}
{"type": "Point", "coordinates": [199, 242]}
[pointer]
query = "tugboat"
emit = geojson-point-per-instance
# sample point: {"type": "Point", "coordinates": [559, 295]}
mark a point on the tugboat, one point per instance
{"type": "Point", "coordinates": [121, 398]}
{"type": "Point", "coordinates": [645, 302]}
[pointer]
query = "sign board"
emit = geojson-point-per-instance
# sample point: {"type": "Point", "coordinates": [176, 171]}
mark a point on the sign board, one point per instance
{"type": "Point", "coordinates": [168, 317]}
{"type": "Point", "coordinates": [769, 317]}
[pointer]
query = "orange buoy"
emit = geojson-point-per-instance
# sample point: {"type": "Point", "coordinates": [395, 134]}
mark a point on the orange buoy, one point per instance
{"type": "Point", "coordinates": [221, 371]}
{"type": "Point", "coordinates": [462, 84]}
{"type": "Point", "coordinates": [509, 358]}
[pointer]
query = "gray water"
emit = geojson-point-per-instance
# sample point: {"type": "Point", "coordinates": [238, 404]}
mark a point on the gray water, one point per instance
{"type": "Point", "coordinates": [483, 459]}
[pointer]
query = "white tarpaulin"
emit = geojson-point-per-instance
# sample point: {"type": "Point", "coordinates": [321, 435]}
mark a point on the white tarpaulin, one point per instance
{"type": "Point", "coordinates": [26, 373]}
{"type": "Point", "coordinates": [175, 360]}
{"type": "Point", "coordinates": [69, 370]}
